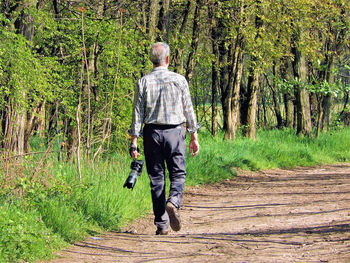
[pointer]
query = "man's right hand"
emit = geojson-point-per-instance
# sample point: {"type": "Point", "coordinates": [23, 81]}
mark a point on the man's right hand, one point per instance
{"type": "Point", "coordinates": [134, 152]}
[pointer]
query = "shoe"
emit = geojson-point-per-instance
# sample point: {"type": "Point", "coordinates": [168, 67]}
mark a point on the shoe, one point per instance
{"type": "Point", "coordinates": [174, 216]}
{"type": "Point", "coordinates": [162, 232]}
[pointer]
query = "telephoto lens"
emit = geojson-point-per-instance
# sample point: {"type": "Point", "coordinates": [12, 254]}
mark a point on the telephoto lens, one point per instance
{"type": "Point", "coordinates": [136, 170]}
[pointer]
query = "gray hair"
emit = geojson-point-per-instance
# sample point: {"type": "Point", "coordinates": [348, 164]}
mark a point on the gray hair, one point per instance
{"type": "Point", "coordinates": [159, 52]}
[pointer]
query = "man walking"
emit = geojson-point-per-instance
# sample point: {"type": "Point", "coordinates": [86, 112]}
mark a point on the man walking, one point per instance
{"type": "Point", "coordinates": [163, 104]}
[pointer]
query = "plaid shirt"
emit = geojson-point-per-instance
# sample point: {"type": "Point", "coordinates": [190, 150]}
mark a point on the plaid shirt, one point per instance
{"type": "Point", "coordinates": [162, 97]}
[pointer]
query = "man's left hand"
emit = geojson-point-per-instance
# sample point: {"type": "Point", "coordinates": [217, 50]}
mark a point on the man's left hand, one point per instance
{"type": "Point", "coordinates": [194, 147]}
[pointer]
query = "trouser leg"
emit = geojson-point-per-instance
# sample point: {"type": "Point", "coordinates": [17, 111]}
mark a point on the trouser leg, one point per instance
{"type": "Point", "coordinates": [156, 171]}
{"type": "Point", "coordinates": [174, 148]}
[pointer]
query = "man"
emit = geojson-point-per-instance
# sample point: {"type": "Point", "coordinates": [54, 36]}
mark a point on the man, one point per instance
{"type": "Point", "coordinates": [163, 104]}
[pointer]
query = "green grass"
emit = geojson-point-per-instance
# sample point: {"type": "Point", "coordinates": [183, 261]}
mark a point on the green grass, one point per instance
{"type": "Point", "coordinates": [43, 213]}
{"type": "Point", "coordinates": [24, 235]}
{"type": "Point", "coordinates": [271, 149]}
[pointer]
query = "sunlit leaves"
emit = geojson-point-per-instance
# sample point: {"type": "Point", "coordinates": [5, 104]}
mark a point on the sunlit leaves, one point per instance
{"type": "Point", "coordinates": [25, 76]}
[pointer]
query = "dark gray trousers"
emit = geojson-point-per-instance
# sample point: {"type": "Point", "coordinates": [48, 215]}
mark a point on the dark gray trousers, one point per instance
{"type": "Point", "coordinates": [165, 144]}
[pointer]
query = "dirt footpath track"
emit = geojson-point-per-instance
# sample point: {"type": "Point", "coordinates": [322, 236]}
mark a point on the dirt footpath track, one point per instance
{"type": "Point", "coordinates": [299, 215]}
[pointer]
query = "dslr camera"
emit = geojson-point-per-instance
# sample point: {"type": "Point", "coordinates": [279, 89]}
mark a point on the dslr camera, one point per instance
{"type": "Point", "coordinates": [136, 170]}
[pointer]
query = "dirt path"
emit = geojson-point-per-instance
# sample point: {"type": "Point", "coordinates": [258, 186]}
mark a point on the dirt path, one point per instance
{"type": "Point", "coordinates": [299, 215]}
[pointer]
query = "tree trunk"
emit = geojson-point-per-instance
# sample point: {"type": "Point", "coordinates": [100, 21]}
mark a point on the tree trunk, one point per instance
{"type": "Point", "coordinates": [253, 88]}
{"type": "Point", "coordinates": [194, 43]}
{"type": "Point", "coordinates": [26, 24]}
{"type": "Point", "coordinates": [177, 57]}
{"type": "Point", "coordinates": [163, 21]}
{"type": "Point", "coordinates": [21, 122]}
{"type": "Point", "coordinates": [232, 100]}
{"type": "Point", "coordinates": [232, 82]}
{"type": "Point", "coordinates": [152, 19]}
{"type": "Point", "coordinates": [33, 122]}
{"type": "Point", "coordinates": [303, 112]}
{"type": "Point", "coordinates": [276, 107]}
{"type": "Point", "coordinates": [302, 96]}
{"type": "Point", "coordinates": [253, 79]}
{"type": "Point", "coordinates": [223, 83]}
{"type": "Point", "coordinates": [327, 100]}
{"type": "Point", "coordinates": [41, 120]}
{"type": "Point", "coordinates": [289, 108]}
{"type": "Point", "coordinates": [276, 100]}
{"type": "Point", "coordinates": [346, 100]}
{"type": "Point", "coordinates": [288, 98]}
{"type": "Point", "coordinates": [87, 90]}
{"type": "Point", "coordinates": [319, 120]}
{"type": "Point", "coordinates": [236, 92]}
{"type": "Point", "coordinates": [214, 70]}
{"type": "Point", "coordinates": [327, 103]}
{"type": "Point", "coordinates": [314, 108]}
{"type": "Point", "coordinates": [264, 110]}
{"type": "Point", "coordinates": [214, 106]}
{"type": "Point", "coordinates": [230, 130]}
{"type": "Point", "coordinates": [15, 119]}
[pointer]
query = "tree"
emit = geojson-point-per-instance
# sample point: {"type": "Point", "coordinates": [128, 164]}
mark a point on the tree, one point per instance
{"type": "Point", "coordinates": [215, 67]}
{"type": "Point", "coordinates": [26, 76]}
{"type": "Point", "coordinates": [333, 31]}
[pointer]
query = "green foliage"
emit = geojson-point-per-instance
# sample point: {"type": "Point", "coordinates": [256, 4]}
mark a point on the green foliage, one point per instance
{"type": "Point", "coordinates": [24, 235]}
{"type": "Point", "coordinates": [284, 85]}
{"type": "Point", "coordinates": [64, 219]}
{"type": "Point", "coordinates": [325, 88]}
{"type": "Point", "coordinates": [341, 119]}
{"type": "Point", "coordinates": [337, 89]}
{"type": "Point", "coordinates": [24, 76]}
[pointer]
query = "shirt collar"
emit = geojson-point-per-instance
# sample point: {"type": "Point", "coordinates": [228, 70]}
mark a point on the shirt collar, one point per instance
{"type": "Point", "coordinates": [160, 68]}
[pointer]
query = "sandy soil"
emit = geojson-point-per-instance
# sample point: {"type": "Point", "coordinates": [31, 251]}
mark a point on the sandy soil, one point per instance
{"type": "Point", "coordinates": [298, 215]}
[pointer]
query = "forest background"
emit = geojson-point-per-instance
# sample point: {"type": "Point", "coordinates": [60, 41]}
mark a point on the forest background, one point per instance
{"type": "Point", "coordinates": [67, 74]}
